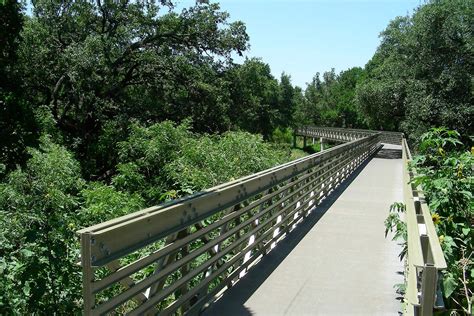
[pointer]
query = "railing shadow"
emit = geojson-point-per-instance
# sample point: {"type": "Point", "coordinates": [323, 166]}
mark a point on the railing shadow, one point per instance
{"type": "Point", "coordinates": [233, 300]}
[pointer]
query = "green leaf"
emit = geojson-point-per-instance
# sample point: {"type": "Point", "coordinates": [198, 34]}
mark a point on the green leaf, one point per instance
{"type": "Point", "coordinates": [3, 265]}
{"type": "Point", "coordinates": [26, 289]}
{"type": "Point", "coordinates": [27, 252]}
{"type": "Point", "coordinates": [450, 285]}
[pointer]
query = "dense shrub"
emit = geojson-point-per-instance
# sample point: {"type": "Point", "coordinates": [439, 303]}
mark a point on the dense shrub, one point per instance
{"type": "Point", "coordinates": [446, 173]}
{"type": "Point", "coordinates": [211, 160]}
{"type": "Point", "coordinates": [38, 213]}
{"type": "Point", "coordinates": [104, 202]}
{"type": "Point", "coordinates": [282, 136]}
{"type": "Point", "coordinates": [165, 160]}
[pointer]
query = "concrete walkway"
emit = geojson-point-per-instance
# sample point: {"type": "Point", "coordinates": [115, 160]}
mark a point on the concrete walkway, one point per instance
{"type": "Point", "coordinates": [337, 262]}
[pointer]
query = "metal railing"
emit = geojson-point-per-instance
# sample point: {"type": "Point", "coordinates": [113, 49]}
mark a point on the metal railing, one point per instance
{"type": "Point", "coordinates": [347, 134]}
{"type": "Point", "coordinates": [177, 257]}
{"type": "Point", "coordinates": [425, 257]}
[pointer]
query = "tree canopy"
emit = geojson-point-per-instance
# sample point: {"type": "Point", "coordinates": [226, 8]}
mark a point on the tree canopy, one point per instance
{"type": "Point", "coordinates": [421, 74]}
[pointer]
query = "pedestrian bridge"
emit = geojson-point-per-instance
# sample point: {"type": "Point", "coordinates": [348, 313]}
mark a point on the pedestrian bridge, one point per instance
{"type": "Point", "coordinates": [302, 238]}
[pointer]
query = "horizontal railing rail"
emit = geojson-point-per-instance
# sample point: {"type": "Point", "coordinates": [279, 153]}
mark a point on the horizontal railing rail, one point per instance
{"type": "Point", "coordinates": [425, 257]}
{"type": "Point", "coordinates": [177, 257]}
{"type": "Point", "coordinates": [348, 134]}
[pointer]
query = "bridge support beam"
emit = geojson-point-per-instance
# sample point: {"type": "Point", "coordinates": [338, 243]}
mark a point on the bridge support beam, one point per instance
{"type": "Point", "coordinates": [294, 140]}
{"type": "Point", "coordinates": [321, 143]}
{"type": "Point", "coordinates": [304, 141]}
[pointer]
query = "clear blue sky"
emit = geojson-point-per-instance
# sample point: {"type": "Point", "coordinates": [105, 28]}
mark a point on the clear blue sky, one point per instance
{"type": "Point", "coordinates": [302, 37]}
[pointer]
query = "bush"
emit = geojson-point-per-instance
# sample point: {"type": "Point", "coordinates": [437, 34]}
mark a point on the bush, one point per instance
{"type": "Point", "coordinates": [38, 214]}
{"type": "Point", "coordinates": [144, 155]}
{"type": "Point", "coordinates": [166, 161]}
{"type": "Point", "coordinates": [282, 136]}
{"type": "Point", "coordinates": [446, 173]}
{"type": "Point", "coordinates": [103, 202]}
{"type": "Point", "coordinates": [211, 160]}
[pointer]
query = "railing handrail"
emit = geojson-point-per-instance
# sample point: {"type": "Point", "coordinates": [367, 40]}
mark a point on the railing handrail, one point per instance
{"type": "Point", "coordinates": [425, 257]}
{"type": "Point", "coordinates": [358, 130]}
{"type": "Point", "coordinates": [345, 134]}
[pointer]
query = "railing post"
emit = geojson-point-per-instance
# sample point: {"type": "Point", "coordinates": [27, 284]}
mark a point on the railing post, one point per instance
{"type": "Point", "coordinates": [87, 274]}
{"type": "Point", "coordinates": [428, 289]}
{"type": "Point", "coordinates": [321, 143]}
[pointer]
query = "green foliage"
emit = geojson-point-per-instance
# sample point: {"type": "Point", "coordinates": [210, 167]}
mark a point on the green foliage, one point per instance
{"type": "Point", "coordinates": [282, 136]}
{"type": "Point", "coordinates": [17, 125]}
{"type": "Point", "coordinates": [11, 22]}
{"type": "Point", "coordinates": [144, 155]}
{"type": "Point", "coordinates": [331, 102]}
{"type": "Point", "coordinates": [104, 202]}
{"type": "Point", "coordinates": [38, 211]}
{"type": "Point", "coordinates": [421, 74]}
{"type": "Point", "coordinates": [17, 129]}
{"type": "Point", "coordinates": [43, 204]}
{"type": "Point", "coordinates": [396, 225]}
{"type": "Point", "coordinates": [445, 171]}
{"type": "Point", "coordinates": [92, 63]}
{"type": "Point", "coordinates": [288, 101]}
{"type": "Point", "coordinates": [97, 77]}
{"type": "Point", "coordinates": [165, 160]}
{"type": "Point", "coordinates": [255, 96]}
{"type": "Point", "coordinates": [211, 160]}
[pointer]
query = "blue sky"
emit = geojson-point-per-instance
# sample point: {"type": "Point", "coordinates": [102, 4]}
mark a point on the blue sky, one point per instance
{"type": "Point", "coordinates": [302, 37]}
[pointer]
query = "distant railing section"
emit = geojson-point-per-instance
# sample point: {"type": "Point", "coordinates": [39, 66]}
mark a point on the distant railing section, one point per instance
{"type": "Point", "coordinates": [347, 134]}
{"type": "Point", "coordinates": [177, 257]}
{"type": "Point", "coordinates": [425, 258]}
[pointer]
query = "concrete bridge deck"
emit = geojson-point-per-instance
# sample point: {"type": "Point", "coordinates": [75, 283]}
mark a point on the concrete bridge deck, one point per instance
{"type": "Point", "coordinates": [337, 262]}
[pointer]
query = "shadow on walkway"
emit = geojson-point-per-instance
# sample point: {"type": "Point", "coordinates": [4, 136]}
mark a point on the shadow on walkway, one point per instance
{"type": "Point", "coordinates": [389, 153]}
{"type": "Point", "coordinates": [233, 300]}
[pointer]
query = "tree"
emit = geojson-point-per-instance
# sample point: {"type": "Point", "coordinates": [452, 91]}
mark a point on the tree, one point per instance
{"type": "Point", "coordinates": [92, 63]}
{"type": "Point", "coordinates": [303, 114]}
{"type": "Point", "coordinates": [17, 127]}
{"type": "Point", "coordinates": [313, 96]}
{"type": "Point", "coordinates": [255, 97]}
{"type": "Point", "coordinates": [348, 80]}
{"type": "Point", "coordinates": [287, 101]}
{"type": "Point", "coordinates": [331, 102]}
{"type": "Point", "coordinates": [421, 74]}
